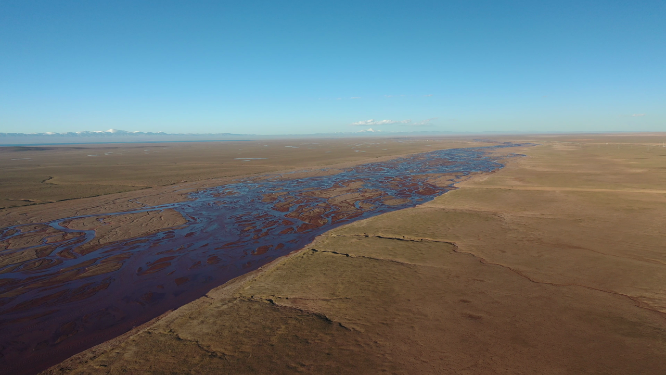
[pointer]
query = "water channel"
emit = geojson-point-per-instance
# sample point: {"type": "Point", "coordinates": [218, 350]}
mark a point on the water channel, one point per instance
{"type": "Point", "coordinates": [52, 307]}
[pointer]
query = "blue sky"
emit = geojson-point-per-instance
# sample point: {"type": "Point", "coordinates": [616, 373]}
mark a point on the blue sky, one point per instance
{"type": "Point", "coordinates": [276, 67]}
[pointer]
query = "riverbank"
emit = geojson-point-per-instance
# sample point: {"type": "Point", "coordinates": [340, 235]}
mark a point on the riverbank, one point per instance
{"type": "Point", "coordinates": [78, 273]}
{"type": "Point", "coordinates": [554, 264]}
{"type": "Point", "coordinates": [34, 176]}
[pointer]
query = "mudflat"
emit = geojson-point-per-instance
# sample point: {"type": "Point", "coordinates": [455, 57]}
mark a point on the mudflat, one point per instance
{"type": "Point", "coordinates": [554, 264]}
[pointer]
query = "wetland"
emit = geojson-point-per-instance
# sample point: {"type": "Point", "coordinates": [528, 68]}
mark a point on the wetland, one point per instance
{"type": "Point", "coordinates": [75, 281]}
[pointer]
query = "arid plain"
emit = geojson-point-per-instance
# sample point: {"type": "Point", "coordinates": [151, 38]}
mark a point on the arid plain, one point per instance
{"type": "Point", "coordinates": [553, 265]}
{"type": "Point", "coordinates": [61, 257]}
{"type": "Point", "coordinates": [44, 174]}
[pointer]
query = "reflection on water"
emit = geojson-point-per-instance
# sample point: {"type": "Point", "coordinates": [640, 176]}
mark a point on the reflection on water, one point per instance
{"type": "Point", "coordinates": [62, 293]}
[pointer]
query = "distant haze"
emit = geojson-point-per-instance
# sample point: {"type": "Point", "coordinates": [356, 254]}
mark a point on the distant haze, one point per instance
{"type": "Point", "coordinates": [122, 136]}
{"type": "Point", "coordinates": [296, 67]}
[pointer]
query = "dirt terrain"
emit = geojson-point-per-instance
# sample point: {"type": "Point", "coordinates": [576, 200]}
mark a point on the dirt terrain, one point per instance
{"type": "Point", "coordinates": [553, 265]}
{"type": "Point", "coordinates": [113, 262]}
{"type": "Point", "coordinates": [42, 174]}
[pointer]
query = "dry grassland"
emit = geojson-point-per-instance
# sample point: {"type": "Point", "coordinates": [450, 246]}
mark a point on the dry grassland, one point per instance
{"type": "Point", "coordinates": [555, 264]}
{"type": "Point", "coordinates": [42, 174]}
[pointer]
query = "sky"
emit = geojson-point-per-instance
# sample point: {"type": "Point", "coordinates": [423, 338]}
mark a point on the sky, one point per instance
{"type": "Point", "coordinates": [303, 67]}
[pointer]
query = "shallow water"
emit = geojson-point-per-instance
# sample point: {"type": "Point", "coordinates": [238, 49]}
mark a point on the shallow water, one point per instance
{"type": "Point", "coordinates": [48, 312]}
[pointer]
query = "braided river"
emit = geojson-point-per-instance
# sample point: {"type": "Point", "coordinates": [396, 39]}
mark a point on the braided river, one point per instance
{"type": "Point", "coordinates": [72, 293]}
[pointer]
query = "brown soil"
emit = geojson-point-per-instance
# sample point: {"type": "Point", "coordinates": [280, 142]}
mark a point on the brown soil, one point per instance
{"type": "Point", "coordinates": [43, 174]}
{"type": "Point", "coordinates": [555, 264]}
{"type": "Point", "coordinates": [169, 172]}
{"type": "Point", "coordinates": [119, 227]}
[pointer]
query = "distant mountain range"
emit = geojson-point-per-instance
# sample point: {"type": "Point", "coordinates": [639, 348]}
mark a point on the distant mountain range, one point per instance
{"type": "Point", "coordinates": [111, 136]}
{"type": "Point", "coordinates": [123, 136]}
{"type": "Point", "coordinates": [98, 133]}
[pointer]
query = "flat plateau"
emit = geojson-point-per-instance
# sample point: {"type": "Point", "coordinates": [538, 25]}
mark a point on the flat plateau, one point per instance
{"type": "Point", "coordinates": [554, 264]}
